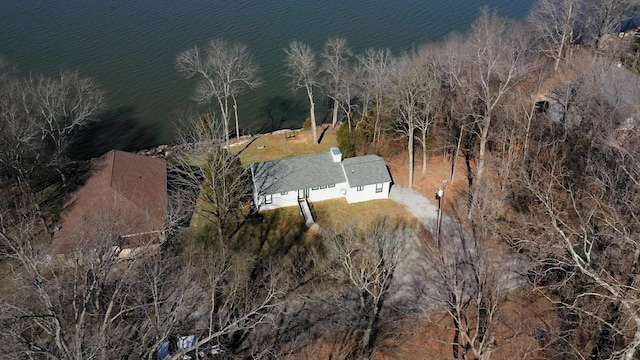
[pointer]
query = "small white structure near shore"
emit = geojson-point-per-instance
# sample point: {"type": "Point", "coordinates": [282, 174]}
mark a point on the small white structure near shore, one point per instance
{"type": "Point", "coordinates": [325, 176]}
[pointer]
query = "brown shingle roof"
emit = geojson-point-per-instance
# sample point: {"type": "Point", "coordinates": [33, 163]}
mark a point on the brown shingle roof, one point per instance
{"type": "Point", "coordinates": [125, 194]}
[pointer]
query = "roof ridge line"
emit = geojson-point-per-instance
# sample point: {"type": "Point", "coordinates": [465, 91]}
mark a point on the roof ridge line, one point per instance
{"type": "Point", "coordinates": [344, 172]}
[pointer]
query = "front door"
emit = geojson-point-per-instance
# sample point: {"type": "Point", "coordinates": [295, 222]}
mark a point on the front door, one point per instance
{"type": "Point", "coordinates": [302, 194]}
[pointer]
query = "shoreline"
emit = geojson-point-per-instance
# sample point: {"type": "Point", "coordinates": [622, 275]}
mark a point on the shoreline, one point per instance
{"type": "Point", "coordinates": [165, 150]}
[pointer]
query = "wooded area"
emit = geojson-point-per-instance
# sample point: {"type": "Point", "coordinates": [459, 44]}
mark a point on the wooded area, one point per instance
{"type": "Point", "coordinates": [543, 113]}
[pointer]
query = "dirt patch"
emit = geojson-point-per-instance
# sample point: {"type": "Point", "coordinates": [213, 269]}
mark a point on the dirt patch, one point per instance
{"type": "Point", "coordinates": [521, 314]}
{"type": "Point", "coordinates": [431, 337]}
{"type": "Point", "coordinates": [427, 183]}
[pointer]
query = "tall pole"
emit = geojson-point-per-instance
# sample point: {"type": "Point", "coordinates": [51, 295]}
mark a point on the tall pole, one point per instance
{"type": "Point", "coordinates": [439, 195]}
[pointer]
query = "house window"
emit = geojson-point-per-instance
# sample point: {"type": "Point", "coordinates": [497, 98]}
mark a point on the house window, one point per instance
{"type": "Point", "coordinates": [286, 192]}
{"type": "Point", "coordinates": [315, 188]}
{"type": "Point", "coordinates": [268, 199]}
{"type": "Point", "coordinates": [323, 186]}
{"type": "Point", "coordinates": [332, 185]}
{"type": "Point", "coordinates": [360, 188]}
{"type": "Point", "coordinates": [379, 188]}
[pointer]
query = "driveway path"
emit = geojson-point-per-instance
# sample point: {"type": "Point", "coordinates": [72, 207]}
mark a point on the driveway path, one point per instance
{"type": "Point", "coordinates": [416, 203]}
{"type": "Point", "coordinates": [427, 213]}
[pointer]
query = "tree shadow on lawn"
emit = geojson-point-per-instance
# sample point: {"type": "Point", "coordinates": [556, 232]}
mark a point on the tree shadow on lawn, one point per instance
{"type": "Point", "coordinates": [280, 237]}
{"type": "Point", "coordinates": [324, 131]}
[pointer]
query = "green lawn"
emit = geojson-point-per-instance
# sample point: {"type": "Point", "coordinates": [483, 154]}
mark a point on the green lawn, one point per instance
{"type": "Point", "coordinates": [334, 215]}
{"type": "Point", "coordinates": [275, 231]}
{"type": "Point", "coordinates": [278, 146]}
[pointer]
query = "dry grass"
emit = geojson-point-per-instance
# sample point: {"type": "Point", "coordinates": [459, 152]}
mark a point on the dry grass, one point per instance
{"type": "Point", "coordinates": [335, 215]}
{"type": "Point", "coordinates": [438, 169]}
{"type": "Point", "coordinates": [431, 337]}
{"type": "Point", "coordinates": [278, 146]}
{"type": "Point", "coordinates": [521, 313]}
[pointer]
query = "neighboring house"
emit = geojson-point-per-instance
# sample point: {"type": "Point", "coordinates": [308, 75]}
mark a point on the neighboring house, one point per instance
{"type": "Point", "coordinates": [122, 202]}
{"type": "Point", "coordinates": [318, 177]}
{"type": "Point", "coordinates": [620, 90]}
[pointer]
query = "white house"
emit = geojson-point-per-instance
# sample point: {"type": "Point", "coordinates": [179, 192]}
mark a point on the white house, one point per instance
{"type": "Point", "coordinates": [318, 177]}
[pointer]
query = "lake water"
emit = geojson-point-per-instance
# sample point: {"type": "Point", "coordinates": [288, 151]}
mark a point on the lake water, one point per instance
{"type": "Point", "coordinates": [129, 47]}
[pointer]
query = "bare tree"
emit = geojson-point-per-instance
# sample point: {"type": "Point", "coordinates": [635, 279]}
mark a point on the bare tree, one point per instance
{"type": "Point", "coordinates": [593, 242]}
{"type": "Point", "coordinates": [464, 281]}
{"type": "Point", "coordinates": [335, 68]}
{"type": "Point", "coordinates": [558, 25]}
{"type": "Point", "coordinates": [303, 70]}
{"type": "Point", "coordinates": [607, 17]}
{"type": "Point", "coordinates": [90, 304]}
{"type": "Point", "coordinates": [214, 175]}
{"type": "Point", "coordinates": [494, 62]}
{"type": "Point", "coordinates": [577, 216]}
{"type": "Point", "coordinates": [432, 104]}
{"type": "Point", "coordinates": [231, 303]}
{"type": "Point", "coordinates": [375, 64]}
{"type": "Point", "coordinates": [224, 71]}
{"type": "Point", "coordinates": [39, 115]}
{"type": "Point", "coordinates": [77, 306]}
{"type": "Point", "coordinates": [406, 87]}
{"type": "Point", "coordinates": [350, 93]}
{"type": "Point", "coordinates": [368, 265]}
{"type": "Point", "coordinates": [63, 105]}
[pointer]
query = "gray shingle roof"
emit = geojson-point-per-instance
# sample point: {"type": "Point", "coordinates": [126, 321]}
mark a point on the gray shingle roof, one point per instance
{"type": "Point", "coordinates": [365, 170]}
{"type": "Point", "coordinates": [304, 172]}
{"type": "Point", "coordinates": [295, 173]}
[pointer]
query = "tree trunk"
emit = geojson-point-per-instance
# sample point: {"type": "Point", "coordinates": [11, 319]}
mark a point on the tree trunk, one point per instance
{"type": "Point", "coordinates": [369, 337]}
{"type": "Point", "coordinates": [456, 339]}
{"type": "Point", "coordinates": [336, 106]}
{"type": "Point", "coordinates": [424, 151]}
{"type": "Point", "coordinates": [455, 155]}
{"type": "Point", "coordinates": [312, 115]}
{"type": "Point", "coordinates": [563, 39]}
{"type": "Point", "coordinates": [410, 148]}
{"type": "Point", "coordinates": [235, 114]}
{"type": "Point", "coordinates": [527, 134]}
{"type": "Point", "coordinates": [484, 135]}
{"type": "Point", "coordinates": [559, 55]}
{"type": "Point", "coordinates": [468, 155]}
{"type": "Point", "coordinates": [224, 111]}
{"type": "Point", "coordinates": [630, 353]}
{"type": "Point", "coordinates": [376, 125]}
{"type": "Point", "coordinates": [606, 340]}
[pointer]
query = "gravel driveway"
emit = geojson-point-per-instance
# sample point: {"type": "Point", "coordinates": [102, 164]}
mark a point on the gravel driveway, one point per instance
{"type": "Point", "coordinates": [415, 202]}
{"type": "Point", "coordinates": [422, 209]}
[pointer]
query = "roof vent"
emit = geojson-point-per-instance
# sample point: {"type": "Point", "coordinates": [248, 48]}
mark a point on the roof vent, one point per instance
{"type": "Point", "coordinates": [336, 154]}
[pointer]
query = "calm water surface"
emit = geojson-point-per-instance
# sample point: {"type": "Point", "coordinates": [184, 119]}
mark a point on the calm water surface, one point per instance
{"type": "Point", "coordinates": [129, 47]}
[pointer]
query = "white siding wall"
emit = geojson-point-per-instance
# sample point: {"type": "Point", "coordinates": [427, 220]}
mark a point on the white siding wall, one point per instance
{"type": "Point", "coordinates": [291, 198]}
{"type": "Point", "coordinates": [328, 193]}
{"type": "Point", "coordinates": [368, 193]}
{"type": "Point", "coordinates": [278, 201]}
{"type": "Point", "coordinates": [353, 196]}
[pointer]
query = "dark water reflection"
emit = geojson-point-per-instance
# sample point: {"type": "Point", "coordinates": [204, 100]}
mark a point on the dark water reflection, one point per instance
{"type": "Point", "coordinates": [129, 47]}
{"type": "Point", "coordinates": [116, 129]}
{"type": "Point", "coordinates": [278, 112]}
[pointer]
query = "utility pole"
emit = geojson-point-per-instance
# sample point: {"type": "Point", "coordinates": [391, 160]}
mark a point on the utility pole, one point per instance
{"type": "Point", "coordinates": [439, 195]}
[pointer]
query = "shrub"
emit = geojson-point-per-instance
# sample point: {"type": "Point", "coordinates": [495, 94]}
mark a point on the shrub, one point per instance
{"type": "Point", "coordinates": [306, 125]}
{"type": "Point", "coordinates": [346, 141]}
